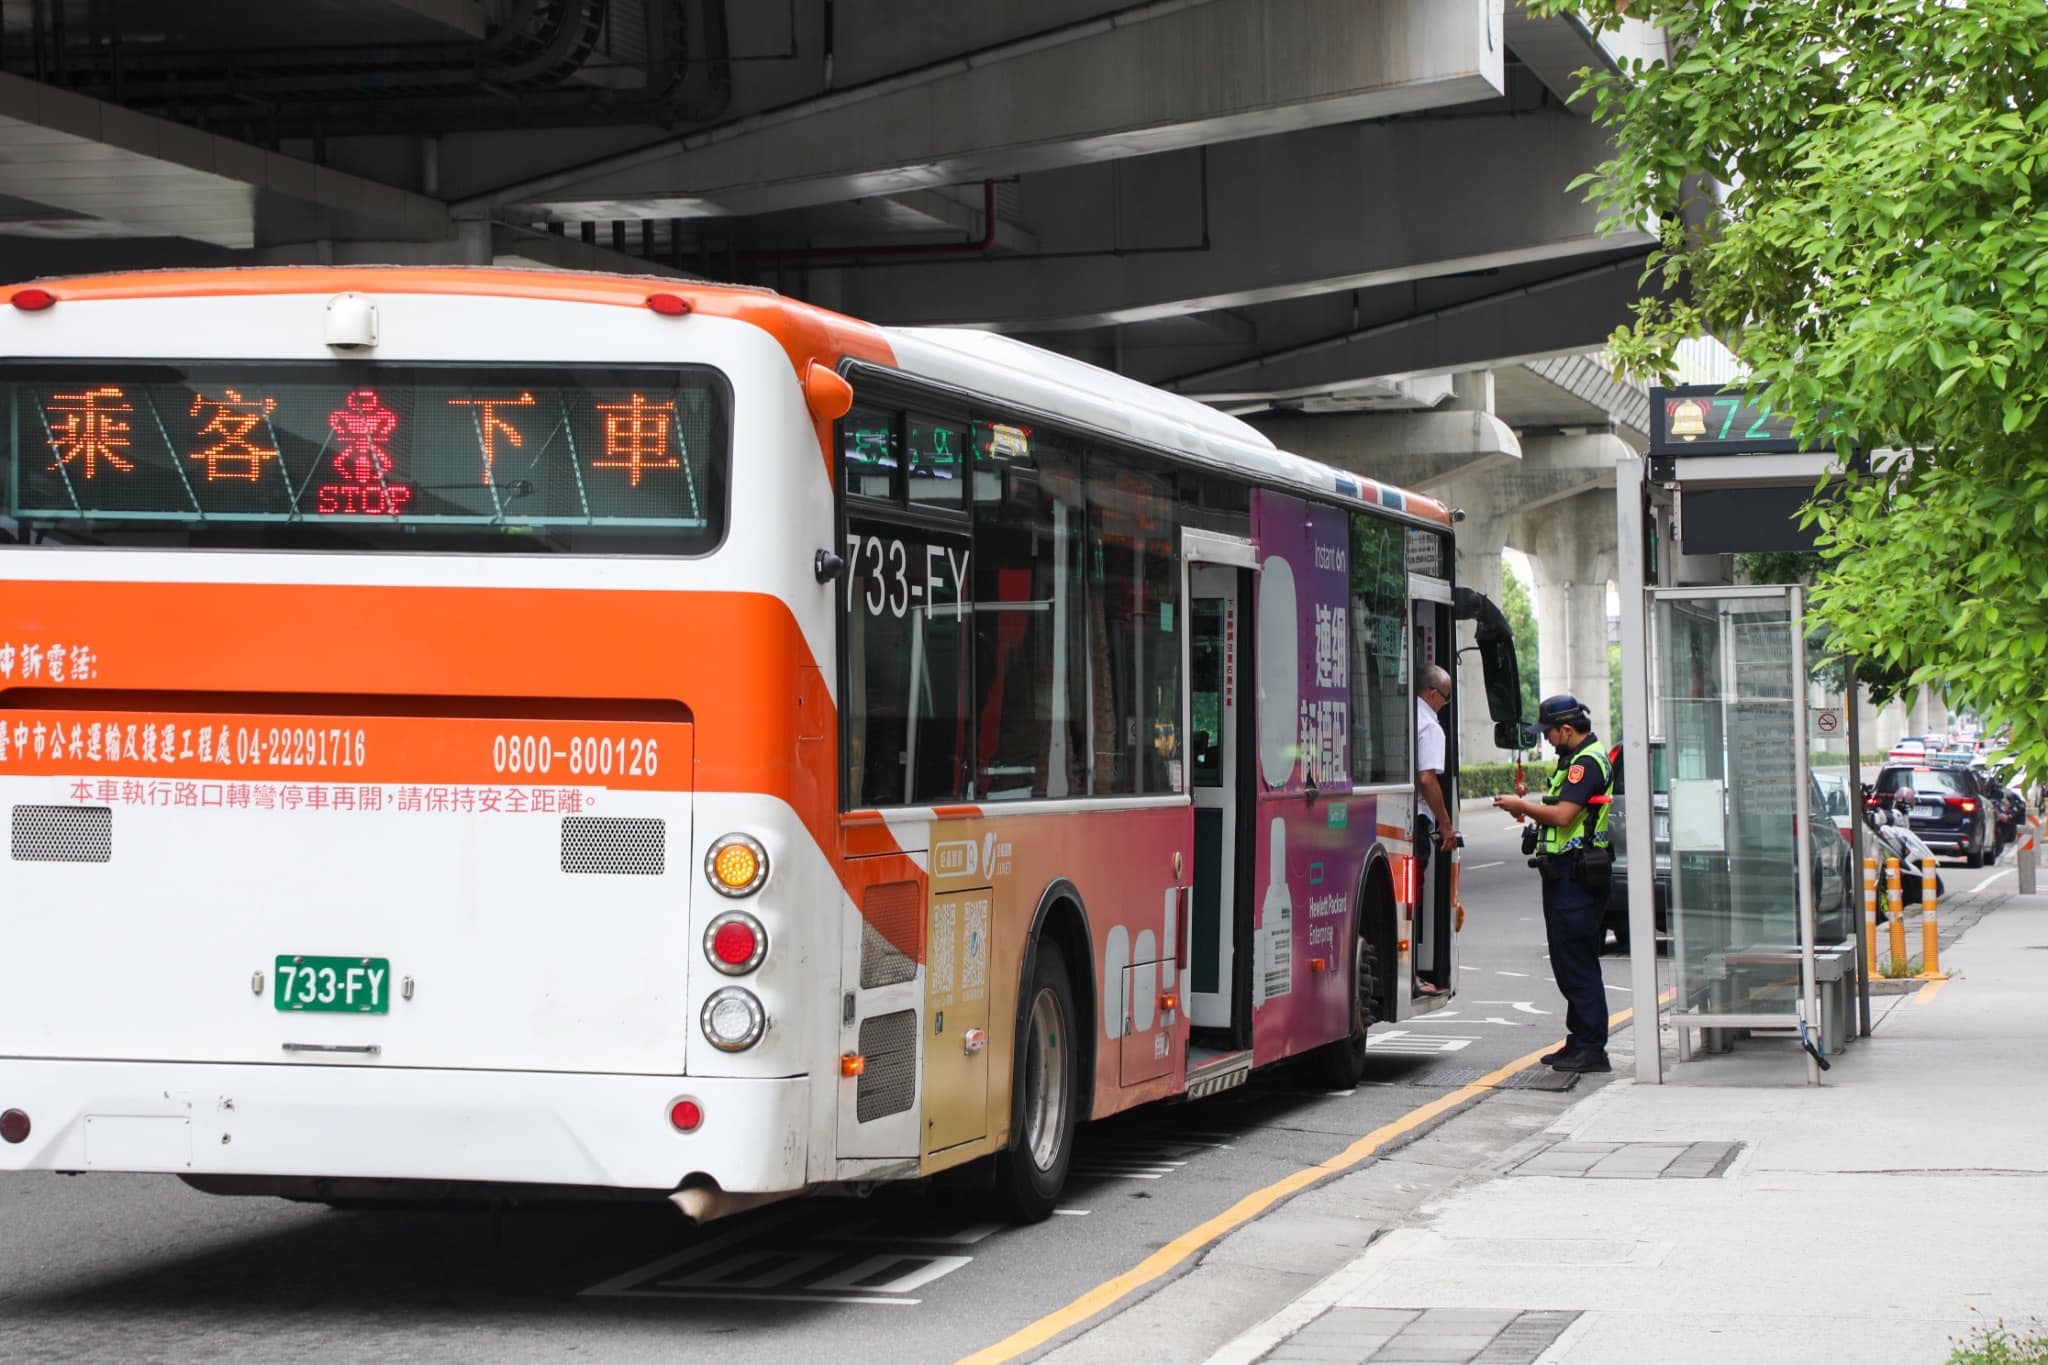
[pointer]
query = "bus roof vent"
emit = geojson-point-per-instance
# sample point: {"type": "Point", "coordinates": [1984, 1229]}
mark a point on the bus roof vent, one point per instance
{"type": "Point", "coordinates": [635, 847]}
{"type": "Point", "coordinates": [63, 834]}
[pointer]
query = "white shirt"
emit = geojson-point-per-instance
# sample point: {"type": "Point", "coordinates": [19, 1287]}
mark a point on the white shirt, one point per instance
{"type": "Point", "coordinates": [1429, 739]}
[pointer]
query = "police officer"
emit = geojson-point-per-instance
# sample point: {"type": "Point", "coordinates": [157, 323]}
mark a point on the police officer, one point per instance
{"type": "Point", "coordinates": [1576, 861]}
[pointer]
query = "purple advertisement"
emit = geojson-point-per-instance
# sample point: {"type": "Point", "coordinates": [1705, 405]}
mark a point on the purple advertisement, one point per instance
{"type": "Point", "coordinates": [1311, 835]}
{"type": "Point", "coordinates": [1304, 655]}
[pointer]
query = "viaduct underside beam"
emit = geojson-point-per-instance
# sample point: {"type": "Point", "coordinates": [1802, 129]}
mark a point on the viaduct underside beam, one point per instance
{"type": "Point", "coordinates": [1315, 212]}
{"type": "Point", "coordinates": [110, 172]}
{"type": "Point", "coordinates": [1114, 87]}
{"type": "Point", "coordinates": [1575, 310]}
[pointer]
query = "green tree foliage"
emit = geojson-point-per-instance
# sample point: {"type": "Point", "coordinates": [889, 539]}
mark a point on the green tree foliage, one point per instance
{"type": "Point", "coordinates": [1515, 605]}
{"type": "Point", "coordinates": [1880, 261]}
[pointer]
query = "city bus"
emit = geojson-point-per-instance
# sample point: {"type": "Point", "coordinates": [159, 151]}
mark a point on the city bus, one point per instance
{"type": "Point", "coordinates": [512, 734]}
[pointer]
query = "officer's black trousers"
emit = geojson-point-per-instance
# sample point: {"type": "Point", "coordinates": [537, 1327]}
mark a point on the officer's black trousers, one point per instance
{"type": "Point", "coordinates": [1571, 919]}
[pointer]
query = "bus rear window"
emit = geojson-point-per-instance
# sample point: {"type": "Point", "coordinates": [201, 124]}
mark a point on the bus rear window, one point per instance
{"type": "Point", "coordinates": [349, 454]}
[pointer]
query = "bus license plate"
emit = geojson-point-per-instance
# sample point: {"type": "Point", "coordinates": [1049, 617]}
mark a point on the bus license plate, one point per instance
{"type": "Point", "coordinates": [333, 985]}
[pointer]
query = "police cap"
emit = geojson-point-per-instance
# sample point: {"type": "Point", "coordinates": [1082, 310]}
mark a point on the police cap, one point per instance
{"type": "Point", "coordinates": [1563, 709]}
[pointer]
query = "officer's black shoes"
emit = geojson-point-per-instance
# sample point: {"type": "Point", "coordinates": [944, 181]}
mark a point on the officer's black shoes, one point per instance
{"type": "Point", "coordinates": [1550, 1058]}
{"type": "Point", "coordinates": [1580, 1059]}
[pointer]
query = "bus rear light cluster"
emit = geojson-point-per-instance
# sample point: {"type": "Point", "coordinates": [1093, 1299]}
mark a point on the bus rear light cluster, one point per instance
{"type": "Point", "coordinates": [736, 943]}
{"type": "Point", "coordinates": [733, 1019]}
{"type": "Point", "coordinates": [32, 300]}
{"type": "Point", "coordinates": [14, 1126]}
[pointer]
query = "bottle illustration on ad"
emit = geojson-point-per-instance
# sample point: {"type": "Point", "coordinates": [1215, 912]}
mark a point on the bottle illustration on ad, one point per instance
{"type": "Point", "coordinates": [1273, 966]}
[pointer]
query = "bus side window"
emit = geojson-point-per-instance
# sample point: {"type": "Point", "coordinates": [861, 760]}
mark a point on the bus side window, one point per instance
{"type": "Point", "coordinates": [1382, 721]}
{"type": "Point", "coordinates": [938, 465]}
{"type": "Point", "coordinates": [1029, 613]}
{"type": "Point", "coordinates": [1133, 636]}
{"type": "Point", "coordinates": [870, 453]}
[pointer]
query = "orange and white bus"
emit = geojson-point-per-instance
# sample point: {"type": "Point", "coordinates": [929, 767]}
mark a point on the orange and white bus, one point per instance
{"type": "Point", "coordinates": [481, 730]}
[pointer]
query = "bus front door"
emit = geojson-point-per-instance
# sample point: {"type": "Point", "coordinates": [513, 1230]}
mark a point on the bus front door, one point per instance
{"type": "Point", "coordinates": [1217, 712]}
{"type": "Point", "coordinates": [1434, 930]}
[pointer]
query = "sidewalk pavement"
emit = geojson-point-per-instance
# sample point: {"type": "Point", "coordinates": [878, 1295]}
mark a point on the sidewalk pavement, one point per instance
{"type": "Point", "coordinates": [1737, 1214]}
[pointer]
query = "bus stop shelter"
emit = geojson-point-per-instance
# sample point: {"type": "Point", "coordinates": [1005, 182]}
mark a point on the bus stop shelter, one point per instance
{"type": "Point", "coordinates": [1730, 718]}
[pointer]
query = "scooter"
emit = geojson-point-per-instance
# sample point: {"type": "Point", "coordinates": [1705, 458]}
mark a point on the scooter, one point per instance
{"type": "Point", "coordinates": [1890, 824]}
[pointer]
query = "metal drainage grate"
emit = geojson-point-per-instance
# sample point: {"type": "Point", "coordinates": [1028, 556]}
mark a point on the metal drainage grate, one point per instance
{"type": "Point", "coordinates": [609, 844]}
{"type": "Point", "coordinates": [1534, 1078]}
{"type": "Point", "coordinates": [1633, 1160]}
{"type": "Point", "coordinates": [889, 1083]}
{"type": "Point", "coordinates": [63, 834]}
{"type": "Point", "coordinates": [1472, 1336]}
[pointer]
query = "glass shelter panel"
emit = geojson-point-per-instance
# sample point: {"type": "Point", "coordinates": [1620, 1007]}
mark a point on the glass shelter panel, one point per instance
{"type": "Point", "coordinates": [1729, 710]}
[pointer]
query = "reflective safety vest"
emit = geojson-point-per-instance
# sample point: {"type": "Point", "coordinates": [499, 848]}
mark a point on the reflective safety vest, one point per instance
{"type": "Point", "coordinates": [1564, 838]}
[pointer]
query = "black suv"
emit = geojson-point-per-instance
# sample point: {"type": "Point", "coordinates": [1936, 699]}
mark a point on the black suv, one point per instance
{"type": "Point", "coordinates": [1951, 810]}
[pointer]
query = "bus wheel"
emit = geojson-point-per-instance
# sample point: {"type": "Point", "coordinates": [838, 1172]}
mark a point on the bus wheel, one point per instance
{"type": "Point", "coordinates": [1030, 1174]}
{"type": "Point", "coordinates": [1339, 1065]}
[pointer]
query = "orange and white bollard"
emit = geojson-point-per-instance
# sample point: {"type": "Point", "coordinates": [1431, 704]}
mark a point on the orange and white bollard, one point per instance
{"type": "Point", "coordinates": [1930, 946]}
{"type": "Point", "coordinates": [1869, 917]}
{"type": "Point", "coordinates": [2030, 837]}
{"type": "Point", "coordinates": [1896, 900]}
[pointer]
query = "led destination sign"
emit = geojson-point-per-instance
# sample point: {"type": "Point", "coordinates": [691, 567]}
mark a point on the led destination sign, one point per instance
{"type": "Point", "coordinates": [378, 444]}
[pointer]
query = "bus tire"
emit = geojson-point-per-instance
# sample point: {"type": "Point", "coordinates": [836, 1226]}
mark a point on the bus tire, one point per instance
{"type": "Point", "coordinates": [1045, 1085]}
{"type": "Point", "coordinates": [1340, 1065]}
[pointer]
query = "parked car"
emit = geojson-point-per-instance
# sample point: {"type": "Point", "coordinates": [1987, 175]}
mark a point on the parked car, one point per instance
{"type": "Point", "coordinates": [1837, 889]}
{"type": "Point", "coordinates": [1833, 784]}
{"type": "Point", "coordinates": [2010, 807]}
{"type": "Point", "coordinates": [1951, 809]}
{"type": "Point", "coordinates": [1908, 751]}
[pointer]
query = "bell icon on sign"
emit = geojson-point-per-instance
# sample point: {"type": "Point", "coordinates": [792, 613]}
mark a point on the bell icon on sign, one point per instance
{"type": "Point", "coordinates": [1688, 418]}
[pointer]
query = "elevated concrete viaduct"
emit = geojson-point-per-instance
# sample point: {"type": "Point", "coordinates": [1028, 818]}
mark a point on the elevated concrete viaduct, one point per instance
{"type": "Point", "coordinates": [1348, 219]}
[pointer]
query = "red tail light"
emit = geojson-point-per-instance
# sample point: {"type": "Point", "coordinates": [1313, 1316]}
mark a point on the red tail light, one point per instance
{"type": "Point", "coordinates": [735, 942]}
{"type": "Point", "coordinates": [14, 1126]}
{"type": "Point", "coordinates": [686, 1115]}
{"type": "Point", "coordinates": [32, 300]}
{"type": "Point", "coordinates": [1962, 803]}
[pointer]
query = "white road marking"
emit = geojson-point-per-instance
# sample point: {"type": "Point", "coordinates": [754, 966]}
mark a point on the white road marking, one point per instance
{"type": "Point", "coordinates": [1623, 989]}
{"type": "Point", "coordinates": [1986, 882]}
{"type": "Point", "coordinates": [1401, 1042]}
{"type": "Point", "coordinates": [1523, 975]}
{"type": "Point", "coordinates": [1481, 867]}
{"type": "Point", "coordinates": [1074, 1213]}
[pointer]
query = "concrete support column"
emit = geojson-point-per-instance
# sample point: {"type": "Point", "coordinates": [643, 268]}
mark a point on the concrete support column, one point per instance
{"type": "Point", "coordinates": [1572, 571]}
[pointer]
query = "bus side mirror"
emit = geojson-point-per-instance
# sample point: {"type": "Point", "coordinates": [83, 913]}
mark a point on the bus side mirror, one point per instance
{"type": "Point", "coordinates": [828, 566]}
{"type": "Point", "coordinates": [1497, 668]}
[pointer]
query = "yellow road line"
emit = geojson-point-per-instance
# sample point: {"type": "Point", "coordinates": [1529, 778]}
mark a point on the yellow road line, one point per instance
{"type": "Point", "coordinates": [1240, 1213]}
{"type": "Point", "coordinates": [1929, 991]}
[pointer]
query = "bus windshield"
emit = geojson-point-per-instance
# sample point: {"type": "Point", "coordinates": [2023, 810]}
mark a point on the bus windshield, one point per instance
{"type": "Point", "coordinates": [353, 455]}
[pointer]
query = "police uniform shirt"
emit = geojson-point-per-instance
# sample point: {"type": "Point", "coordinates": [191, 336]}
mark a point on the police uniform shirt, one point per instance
{"type": "Point", "coordinates": [1584, 778]}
